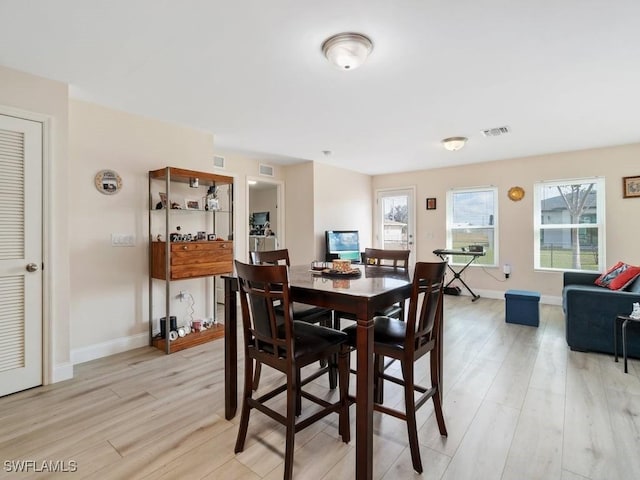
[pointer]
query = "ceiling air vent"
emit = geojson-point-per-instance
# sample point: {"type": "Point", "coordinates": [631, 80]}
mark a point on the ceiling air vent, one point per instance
{"type": "Point", "coordinates": [218, 161]}
{"type": "Point", "coordinates": [496, 132]}
{"type": "Point", "coordinates": [266, 170]}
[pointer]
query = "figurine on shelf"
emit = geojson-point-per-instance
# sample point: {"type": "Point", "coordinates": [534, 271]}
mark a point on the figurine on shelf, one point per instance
{"type": "Point", "coordinates": [176, 236]}
{"type": "Point", "coordinates": [635, 314]}
{"type": "Point", "coordinates": [212, 202]}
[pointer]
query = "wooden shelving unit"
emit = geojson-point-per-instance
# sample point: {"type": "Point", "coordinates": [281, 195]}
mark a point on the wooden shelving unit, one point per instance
{"type": "Point", "coordinates": [191, 340]}
{"type": "Point", "coordinates": [171, 261]}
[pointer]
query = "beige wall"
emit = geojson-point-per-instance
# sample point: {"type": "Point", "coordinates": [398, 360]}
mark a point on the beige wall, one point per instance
{"type": "Point", "coordinates": [244, 167]}
{"type": "Point", "coordinates": [26, 92]}
{"type": "Point", "coordinates": [98, 298]}
{"type": "Point", "coordinates": [516, 218]}
{"type": "Point", "coordinates": [299, 213]}
{"type": "Point", "coordinates": [343, 200]}
{"type": "Point", "coordinates": [109, 285]}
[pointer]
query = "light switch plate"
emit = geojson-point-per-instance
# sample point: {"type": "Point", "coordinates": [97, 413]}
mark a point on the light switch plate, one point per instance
{"type": "Point", "coordinates": [123, 240]}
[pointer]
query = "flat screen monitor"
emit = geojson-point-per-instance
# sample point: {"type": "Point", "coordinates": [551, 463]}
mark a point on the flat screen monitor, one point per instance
{"type": "Point", "coordinates": [260, 218]}
{"type": "Point", "coordinates": [344, 244]}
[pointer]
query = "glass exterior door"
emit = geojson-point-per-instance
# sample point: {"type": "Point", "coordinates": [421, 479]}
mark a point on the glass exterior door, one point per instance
{"type": "Point", "coordinates": [395, 223]}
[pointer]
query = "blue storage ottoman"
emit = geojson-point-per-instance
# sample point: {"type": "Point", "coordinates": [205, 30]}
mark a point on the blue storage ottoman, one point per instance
{"type": "Point", "coordinates": [522, 307]}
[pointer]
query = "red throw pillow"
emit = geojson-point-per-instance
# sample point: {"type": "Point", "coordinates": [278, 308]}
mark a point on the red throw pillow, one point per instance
{"type": "Point", "coordinates": [618, 276]}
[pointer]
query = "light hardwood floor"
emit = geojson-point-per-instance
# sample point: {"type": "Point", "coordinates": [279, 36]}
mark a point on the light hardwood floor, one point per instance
{"type": "Point", "coordinates": [518, 405]}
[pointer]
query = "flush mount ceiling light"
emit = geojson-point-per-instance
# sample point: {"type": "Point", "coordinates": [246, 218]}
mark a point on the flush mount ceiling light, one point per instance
{"type": "Point", "coordinates": [347, 51]}
{"type": "Point", "coordinates": [454, 143]}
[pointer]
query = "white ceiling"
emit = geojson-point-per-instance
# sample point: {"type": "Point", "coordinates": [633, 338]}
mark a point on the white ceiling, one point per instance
{"type": "Point", "coordinates": [562, 74]}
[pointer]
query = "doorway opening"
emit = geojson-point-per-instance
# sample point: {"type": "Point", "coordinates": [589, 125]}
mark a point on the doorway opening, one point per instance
{"type": "Point", "coordinates": [265, 214]}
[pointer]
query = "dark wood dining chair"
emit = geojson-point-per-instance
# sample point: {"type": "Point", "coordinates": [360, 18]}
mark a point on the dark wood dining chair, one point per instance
{"type": "Point", "coordinates": [396, 260]}
{"type": "Point", "coordinates": [286, 346]}
{"type": "Point", "coordinates": [301, 311]}
{"type": "Point", "coordinates": [408, 341]}
{"type": "Point", "coordinates": [383, 257]}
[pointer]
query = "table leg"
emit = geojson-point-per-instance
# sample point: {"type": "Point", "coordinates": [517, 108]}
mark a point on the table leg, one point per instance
{"type": "Point", "coordinates": [364, 399]}
{"type": "Point", "coordinates": [230, 349]}
{"type": "Point", "coordinates": [624, 344]}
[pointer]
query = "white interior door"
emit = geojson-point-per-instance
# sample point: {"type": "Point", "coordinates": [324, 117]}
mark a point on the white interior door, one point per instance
{"type": "Point", "coordinates": [20, 254]}
{"type": "Point", "coordinates": [395, 220]}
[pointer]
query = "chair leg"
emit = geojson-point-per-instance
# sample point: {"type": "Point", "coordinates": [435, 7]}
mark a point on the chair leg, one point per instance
{"type": "Point", "coordinates": [437, 396]}
{"type": "Point", "coordinates": [333, 372]}
{"type": "Point", "coordinates": [256, 375]}
{"type": "Point", "coordinates": [326, 323]}
{"type": "Point", "coordinates": [378, 381]}
{"type": "Point", "coordinates": [344, 428]}
{"type": "Point", "coordinates": [336, 320]}
{"type": "Point", "coordinates": [410, 409]}
{"type": "Point", "coordinates": [246, 410]}
{"type": "Point", "coordinates": [298, 393]}
{"type": "Point", "coordinates": [293, 400]}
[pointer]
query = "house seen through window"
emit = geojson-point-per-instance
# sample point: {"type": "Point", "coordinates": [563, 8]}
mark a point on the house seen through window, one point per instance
{"type": "Point", "coordinates": [569, 225]}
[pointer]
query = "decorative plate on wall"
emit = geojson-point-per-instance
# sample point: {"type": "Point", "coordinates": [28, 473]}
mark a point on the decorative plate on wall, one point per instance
{"type": "Point", "coordinates": [108, 182]}
{"type": "Point", "coordinates": [516, 193]}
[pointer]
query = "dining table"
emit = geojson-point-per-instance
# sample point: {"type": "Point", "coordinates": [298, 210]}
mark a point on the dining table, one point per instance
{"type": "Point", "coordinates": [363, 294]}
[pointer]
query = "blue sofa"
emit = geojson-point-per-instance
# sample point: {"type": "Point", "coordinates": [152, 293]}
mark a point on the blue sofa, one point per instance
{"type": "Point", "coordinates": [590, 311]}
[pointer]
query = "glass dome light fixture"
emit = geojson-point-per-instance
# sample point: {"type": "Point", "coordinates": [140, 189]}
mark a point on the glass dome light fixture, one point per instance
{"type": "Point", "coordinates": [454, 143]}
{"type": "Point", "coordinates": [347, 51]}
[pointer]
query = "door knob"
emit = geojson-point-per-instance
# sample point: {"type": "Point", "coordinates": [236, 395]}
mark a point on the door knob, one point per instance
{"type": "Point", "coordinates": [32, 267]}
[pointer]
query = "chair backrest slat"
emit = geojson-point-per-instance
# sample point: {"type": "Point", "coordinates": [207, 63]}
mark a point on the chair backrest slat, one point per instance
{"type": "Point", "coordinates": [424, 320]}
{"type": "Point", "coordinates": [262, 288]}
{"type": "Point", "coordinates": [270, 257]}
{"type": "Point", "coordinates": [382, 257]}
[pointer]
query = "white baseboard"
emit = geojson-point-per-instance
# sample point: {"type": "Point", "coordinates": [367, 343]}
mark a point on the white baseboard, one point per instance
{"type": "Point", "coordinates": [104, 349]}
{"type": "Point", "coordinates": [62, 371]}
{"type": "Point", "coordinates": [499, 295]}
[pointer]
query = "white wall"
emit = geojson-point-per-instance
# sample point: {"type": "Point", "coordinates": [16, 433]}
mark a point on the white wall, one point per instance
{"type": "Point", "coordinates": [34, 94]}
{"type": "Point", "coordinates": [343, 200]}
{"type": "Point", "coordinates": [516, 218]}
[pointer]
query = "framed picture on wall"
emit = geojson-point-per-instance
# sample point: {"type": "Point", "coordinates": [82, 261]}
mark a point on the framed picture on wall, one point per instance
{"type": "Point", "coordinates": [431, 203]}
{"type": "Point", "coordinates": [631, 187]}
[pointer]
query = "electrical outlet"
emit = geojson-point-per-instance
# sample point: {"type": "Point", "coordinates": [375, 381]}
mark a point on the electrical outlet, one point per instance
{"type": "Point", "coordinates": [182, 296]}
{"type": "Point", "coordinates": [506, 269]}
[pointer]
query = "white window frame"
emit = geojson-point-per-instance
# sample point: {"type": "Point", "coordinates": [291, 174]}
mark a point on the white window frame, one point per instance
{"type": "Point", "coordinates": [495, 225]}
{"type": "Point", "coordinates": [600, 221]}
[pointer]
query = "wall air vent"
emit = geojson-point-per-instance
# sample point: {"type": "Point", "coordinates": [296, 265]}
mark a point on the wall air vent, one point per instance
{"type": "Point", "coordinates": [496, 132]}
{"type": "Point", "coordinates": [266, 170]}
{"type": "Point", "coordinates": [218, 161]}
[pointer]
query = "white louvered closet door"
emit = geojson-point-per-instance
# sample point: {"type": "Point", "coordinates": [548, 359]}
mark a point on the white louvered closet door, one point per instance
{"type": "Point", "coordinates": [20, 254]}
